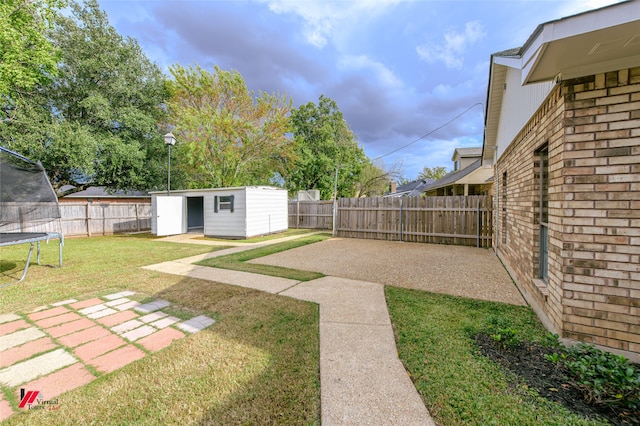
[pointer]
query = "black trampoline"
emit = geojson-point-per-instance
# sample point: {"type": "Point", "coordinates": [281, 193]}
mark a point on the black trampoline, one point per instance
{"type": "Point", "coordinates": [28, 206]}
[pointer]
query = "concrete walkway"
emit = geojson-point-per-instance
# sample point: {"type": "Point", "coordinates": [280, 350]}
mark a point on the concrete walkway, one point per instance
{"type": "Point", "coordinates": [362, 380]}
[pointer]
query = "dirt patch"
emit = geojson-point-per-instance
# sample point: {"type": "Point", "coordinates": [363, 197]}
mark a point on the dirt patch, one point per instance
{"type": "Point", "coordinates": [551, 380]}
{"type": "Point", "coordinates": [455, 270]}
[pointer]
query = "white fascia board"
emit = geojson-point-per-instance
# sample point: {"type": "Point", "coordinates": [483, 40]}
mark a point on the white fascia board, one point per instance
{"type": "Point", "coordinates": [508, 61]}
{"type": "Point", "coordinates": [610, 16]}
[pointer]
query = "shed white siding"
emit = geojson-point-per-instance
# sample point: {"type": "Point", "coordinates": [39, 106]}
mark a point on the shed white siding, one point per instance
{"type": "Point", "coordinates": [225, 223]}
{"type": "Point", "coordinates": [267, 211]}
{"type": "Point", "coordinates": [519, 103]}
{"type": "Point", "coordinates": [154, 215]}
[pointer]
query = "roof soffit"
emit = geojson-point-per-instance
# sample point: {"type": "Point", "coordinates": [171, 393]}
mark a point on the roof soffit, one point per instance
{"type": "Point", "coordinates": [584, 44]}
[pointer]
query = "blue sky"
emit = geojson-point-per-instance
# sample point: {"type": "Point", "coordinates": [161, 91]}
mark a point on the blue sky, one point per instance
{"type": "Point", "coordinates": [397, 69]}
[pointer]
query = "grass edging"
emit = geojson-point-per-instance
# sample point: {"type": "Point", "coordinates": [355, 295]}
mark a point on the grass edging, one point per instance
{"type": "Point", "coordinates": [261, 238]}
{"type": "Point", "coordinates": [238, 261]}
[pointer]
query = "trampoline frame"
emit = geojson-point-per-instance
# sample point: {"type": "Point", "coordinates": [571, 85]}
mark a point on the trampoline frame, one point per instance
{"type": "Point", "coordinates": [33, 238]}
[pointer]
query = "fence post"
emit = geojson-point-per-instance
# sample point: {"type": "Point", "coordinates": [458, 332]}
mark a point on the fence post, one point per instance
{"type": "Point", "coordinates": [88, 219]}
{"type": "Point", "coordinates": [104, 219]}
{"type": "Point", "coordinates": [297, 214]}
{"type": "Point", "coordinates": [334, 216]}
{"type": "Point", "coordinates": [137, 218]}
{"type": "Point", "coordinates": [400, 218]}
{"type": "Point", "coordinates": [478, 223]}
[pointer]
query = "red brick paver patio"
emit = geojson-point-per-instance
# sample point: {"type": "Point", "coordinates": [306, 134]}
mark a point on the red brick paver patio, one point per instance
{"type": "Point", "coordinates": [80, 337]}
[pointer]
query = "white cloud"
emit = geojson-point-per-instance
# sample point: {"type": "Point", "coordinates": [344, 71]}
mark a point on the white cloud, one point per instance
{"type": "Point", "coordinates": [455, 44]}
{"type": "Point", "coordinates": [323, 17]}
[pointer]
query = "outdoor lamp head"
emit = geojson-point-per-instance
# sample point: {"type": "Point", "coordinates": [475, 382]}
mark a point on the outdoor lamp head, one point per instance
{"type": "Point", "coordinates": [169, 139]}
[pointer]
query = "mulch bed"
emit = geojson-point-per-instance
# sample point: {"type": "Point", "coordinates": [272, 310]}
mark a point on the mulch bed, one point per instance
{"type": "Point", "coordinates": [549, 379]}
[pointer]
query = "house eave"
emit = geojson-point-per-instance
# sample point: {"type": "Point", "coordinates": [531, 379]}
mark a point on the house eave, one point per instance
{"type": "Point", "coordinates": [593, 42]}
{"type": "Point", "coordinates": [479, 176]}
{"type": "Point", "coordinates": [597, 41]}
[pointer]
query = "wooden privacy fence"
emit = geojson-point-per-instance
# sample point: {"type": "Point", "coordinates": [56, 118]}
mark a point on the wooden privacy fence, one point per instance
{"type": "Point", "coordinates": [104, 218]}
{"type": "Point", "coordinates": [89, 219]}
{"type": "Point", "coordinates": [311, 214]}
{"type": "Point", "coordinates": [455, 220]}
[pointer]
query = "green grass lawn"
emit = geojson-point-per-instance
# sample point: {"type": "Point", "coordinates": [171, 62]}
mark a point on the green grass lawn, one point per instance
{"type": "Point", "coordinates": [257, 365]}
{"type": "Point", "coordinates": [237, 261]}
{"type": "Point", "coordinates": [90, 266]}
{"type": "Point", "coordinates": [460, 386]}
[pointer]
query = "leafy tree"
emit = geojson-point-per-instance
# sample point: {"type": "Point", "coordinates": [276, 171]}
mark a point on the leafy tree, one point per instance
{"type": "Point", "coordinates": [434, 173]}
{"type": "Point", "coordinates": [27, 57]}
{"type": "Point", "coordinates": [325, 143]}
{"type": "Point", "coordinates": [97, 124]}
{"type": "Point", "coordinates": [374, 179]}
{"type": "Point", "coordinates": [227, 136]}
{"type": "Point", "coordinates": [402, 180]}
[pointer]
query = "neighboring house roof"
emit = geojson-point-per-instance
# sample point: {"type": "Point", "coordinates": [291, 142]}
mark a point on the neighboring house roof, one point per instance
{"type": "Point", "coordinates": [451, 177]}
{"type": "Point", "coordinates": [411, 189]}
{"type": "Point", "coordinates": [473, 174]}
{"type": "Point", "coordinates": [101, 192]}
{"type": "Point", "coordinates": [588, 43]}
{"type": "Point", "coordinates": [467, 152]}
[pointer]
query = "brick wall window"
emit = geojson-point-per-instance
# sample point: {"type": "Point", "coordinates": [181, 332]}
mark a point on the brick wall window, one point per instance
{"type": "Point", "coordinates": [542, 219]}
{"type": "Point", "coordinates": [503, 209]}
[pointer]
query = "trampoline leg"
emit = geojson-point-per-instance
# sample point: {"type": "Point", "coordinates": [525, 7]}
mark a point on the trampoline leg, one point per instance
{"type": "Point", "coordinates": [26, 267]}
{"type": "Point", "coordinates": [60, 242]}
{"type": "Point", "coordinates": [38, 253]}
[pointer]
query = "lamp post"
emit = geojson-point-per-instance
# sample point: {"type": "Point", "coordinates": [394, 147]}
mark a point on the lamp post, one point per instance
{"type": "Point", "coordinates": [169, 140]}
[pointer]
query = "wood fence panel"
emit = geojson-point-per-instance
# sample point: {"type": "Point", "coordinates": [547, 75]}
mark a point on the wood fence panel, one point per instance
{"type": "Point", "coordinates": [439, 220]}
{"type": "Point", "coordinates": [104, 218]}
{"type": "Point", "coordinates": [311, 214]}
{"type": "Point", "coordinates": [86, 219]}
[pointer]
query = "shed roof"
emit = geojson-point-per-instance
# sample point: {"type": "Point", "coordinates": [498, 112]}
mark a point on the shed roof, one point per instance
{"type": "Point", "coordinates": [232, 188]}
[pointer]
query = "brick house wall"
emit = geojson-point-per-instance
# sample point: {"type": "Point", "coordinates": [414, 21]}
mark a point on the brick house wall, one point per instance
{"type": "Point", "coordinates": [590, 128]}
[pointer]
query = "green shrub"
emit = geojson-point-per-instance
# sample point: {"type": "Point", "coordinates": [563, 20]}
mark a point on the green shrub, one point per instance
{"type": "Point", "coordinates": [551, 340]}
{"type": "Point", "coordinates": [503, 333]}
{"type": "Point", "coordinates": [555, 357]}
{"type": "Point", "coordinates": [604, 378]}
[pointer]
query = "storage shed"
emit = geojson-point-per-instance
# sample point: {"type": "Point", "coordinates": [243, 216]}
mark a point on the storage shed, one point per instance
{"type": "Point", "coordinates": [241, 212]}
